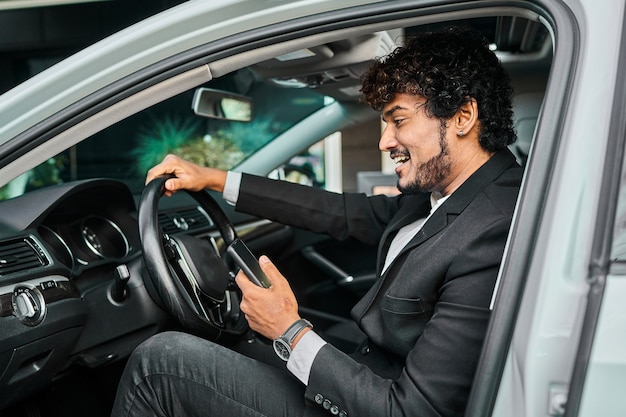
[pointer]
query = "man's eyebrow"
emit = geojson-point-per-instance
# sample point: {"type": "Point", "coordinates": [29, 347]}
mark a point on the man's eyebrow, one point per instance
{"type": "Point", "coordinates": [392, 110]}
{"type": "Point", "coordinates": [397, 107]}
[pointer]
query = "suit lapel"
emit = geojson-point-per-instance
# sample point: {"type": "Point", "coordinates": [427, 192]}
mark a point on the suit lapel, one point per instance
{"type": "Point", "coordinates": [462, 197]}
{"type": "Point", "coordinates": [414, 208]}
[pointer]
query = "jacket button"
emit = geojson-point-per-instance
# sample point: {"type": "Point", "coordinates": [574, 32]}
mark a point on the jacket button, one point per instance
{"type": "Point", "coordinates": [326, 404]}
{"type": "Point", "coordinates": [334, 410]}
{"type": "Point", "coordinates": [343, 414]}
{"type": "Point", "coordinates": [319, 398]}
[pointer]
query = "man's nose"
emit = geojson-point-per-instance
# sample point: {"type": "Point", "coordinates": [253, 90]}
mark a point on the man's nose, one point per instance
{"type": "Point", "coordinates": [387, 140]}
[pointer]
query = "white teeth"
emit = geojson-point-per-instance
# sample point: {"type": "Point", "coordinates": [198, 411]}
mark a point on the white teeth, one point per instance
{"type": "Point", "coordinates": [400, 159]}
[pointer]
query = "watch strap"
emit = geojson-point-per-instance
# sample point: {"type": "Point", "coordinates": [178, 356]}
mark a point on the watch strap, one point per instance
{"type": "Point", "coordinates": [282, 345]}
{"type": "Point", "coordinates": [294, 330]}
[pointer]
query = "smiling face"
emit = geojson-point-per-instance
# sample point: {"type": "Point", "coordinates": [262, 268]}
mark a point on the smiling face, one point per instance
{"type": "Point", "coordinates": [418, 144]}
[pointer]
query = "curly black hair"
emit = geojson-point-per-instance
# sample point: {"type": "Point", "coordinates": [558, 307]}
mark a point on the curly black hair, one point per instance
{"type": "Point", "coordinates": [448, 67]}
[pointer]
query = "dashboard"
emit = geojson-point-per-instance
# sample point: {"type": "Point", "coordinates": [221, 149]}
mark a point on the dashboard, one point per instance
{"type": "Point", "coordinates": [71, 284]}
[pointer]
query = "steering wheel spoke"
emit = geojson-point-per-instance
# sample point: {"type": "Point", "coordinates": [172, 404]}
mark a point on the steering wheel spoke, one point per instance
{"type": "Point", "coordinates": [168, 247]}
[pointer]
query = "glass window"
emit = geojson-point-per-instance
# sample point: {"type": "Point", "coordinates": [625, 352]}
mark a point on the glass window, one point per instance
{"type": "Point", "coordinates": [126, 150]}
{"type": "Point", "coordinates": [307, 168]}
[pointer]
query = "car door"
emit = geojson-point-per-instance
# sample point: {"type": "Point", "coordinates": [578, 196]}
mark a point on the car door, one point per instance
{"type": "Point", "coordinates": [547, 352]}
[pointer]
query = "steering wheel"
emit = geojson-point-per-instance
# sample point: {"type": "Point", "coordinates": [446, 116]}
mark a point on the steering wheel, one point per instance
{"type": "Point", "coordinates": [187, 273]}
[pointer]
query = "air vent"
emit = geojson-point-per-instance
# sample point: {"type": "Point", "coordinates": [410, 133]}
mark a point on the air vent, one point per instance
{"type": "Point", "coordinates": [190, 220]}
{"type": "Point", "coordinates": [20, 255]}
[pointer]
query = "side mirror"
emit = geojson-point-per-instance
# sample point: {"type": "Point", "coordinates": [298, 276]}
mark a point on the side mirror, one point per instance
{"type": "Point", "coordinates": [217, 104]}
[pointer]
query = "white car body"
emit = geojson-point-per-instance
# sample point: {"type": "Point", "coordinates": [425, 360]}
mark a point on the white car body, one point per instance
{"type": "Point", "coordinates": [557, 344]}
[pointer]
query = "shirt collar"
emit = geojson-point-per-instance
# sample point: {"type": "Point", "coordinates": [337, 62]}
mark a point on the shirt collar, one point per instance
{"type": "Point", "coordinates": [436, 200]}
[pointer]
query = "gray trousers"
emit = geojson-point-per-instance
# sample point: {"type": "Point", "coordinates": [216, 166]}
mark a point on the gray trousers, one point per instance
{"type": "Point", "coordinates": [176, 374]}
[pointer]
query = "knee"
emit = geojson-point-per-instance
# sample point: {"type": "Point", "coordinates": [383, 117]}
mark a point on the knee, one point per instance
{"type": "Point", "coordinates": [138, 389]}
{"type": "Point", "coordinates": [155, 353]}
{"type": "Point", "coordinates": [161, 344]}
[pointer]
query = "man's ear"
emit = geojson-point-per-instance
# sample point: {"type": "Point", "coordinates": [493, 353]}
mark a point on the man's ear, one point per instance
{"type": "Point", "coordinates": [466, 118]}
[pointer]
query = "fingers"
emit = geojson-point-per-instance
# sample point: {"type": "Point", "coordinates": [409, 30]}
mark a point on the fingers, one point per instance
{"type": "Point", "coordinates": [167, 166]}
{"type": "Point", "coordinates": [244, 283]}
{"type": "Point", "coordinates": [173, 184]}
{"type": "Point", "coordinates": [189, 176]}
{"type": "Point", "coordinates": [270, 270]}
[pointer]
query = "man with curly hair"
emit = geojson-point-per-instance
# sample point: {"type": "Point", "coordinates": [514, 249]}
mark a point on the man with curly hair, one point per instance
{"type": "Point", "coordinates": [446, 102]}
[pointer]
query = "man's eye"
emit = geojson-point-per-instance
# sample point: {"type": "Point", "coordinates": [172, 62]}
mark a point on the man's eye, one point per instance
{"type": "Point", "coordinates": [397, 121]}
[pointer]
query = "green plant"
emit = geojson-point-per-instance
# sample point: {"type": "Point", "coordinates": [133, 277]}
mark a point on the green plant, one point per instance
{"type": "Point", "coordinates": [222, 148]}
{"type": "Point", "coordinates": [210, 151]}
{"type": "Point", "coordinates": [161, 138]}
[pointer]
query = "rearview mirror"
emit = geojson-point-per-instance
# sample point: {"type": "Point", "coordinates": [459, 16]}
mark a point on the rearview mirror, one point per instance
{"type": "Point", "coordinates": [221, 105]}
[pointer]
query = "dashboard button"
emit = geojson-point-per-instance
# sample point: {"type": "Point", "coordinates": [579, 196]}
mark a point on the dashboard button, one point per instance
{"type": "Point", "coordinates": [28, 305]}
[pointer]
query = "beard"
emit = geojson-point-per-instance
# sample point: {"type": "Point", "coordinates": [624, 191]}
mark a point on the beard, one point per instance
{"type": "Point", "coordinates": [430, 174]}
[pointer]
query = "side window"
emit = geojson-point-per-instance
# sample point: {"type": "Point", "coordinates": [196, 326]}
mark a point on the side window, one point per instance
{"type": "Point", "coordinates": [306, 168]}
{"type": "Point", "coordinates": [318, 166]}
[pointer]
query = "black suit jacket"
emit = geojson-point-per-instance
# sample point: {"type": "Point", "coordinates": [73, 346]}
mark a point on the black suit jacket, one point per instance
{"type": "Point", "coordinates": [426, 316]}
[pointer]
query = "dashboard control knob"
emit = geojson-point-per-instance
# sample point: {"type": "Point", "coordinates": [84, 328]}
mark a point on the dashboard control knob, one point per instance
{"type": "Point", "coordinates": [24, 306]}
{"type": "Point", "coordinates": [28, 305]}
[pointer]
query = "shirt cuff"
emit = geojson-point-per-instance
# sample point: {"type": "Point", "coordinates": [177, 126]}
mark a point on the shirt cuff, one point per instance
{"type": "Point", "coordinates": [303, 355]}
{"type": "Point", "coordinates": [231, 187]}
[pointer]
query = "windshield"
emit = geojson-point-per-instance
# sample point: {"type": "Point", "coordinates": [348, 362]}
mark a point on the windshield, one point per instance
{"type": "Point", "coordinates": [126, 150]}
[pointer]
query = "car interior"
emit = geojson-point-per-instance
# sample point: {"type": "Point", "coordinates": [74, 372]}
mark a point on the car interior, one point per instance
{"type": "Point", "coordinates": [92, 261]}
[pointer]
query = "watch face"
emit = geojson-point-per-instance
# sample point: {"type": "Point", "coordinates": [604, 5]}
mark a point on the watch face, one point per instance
{"type": "Point", "coordinates": [282, 349]}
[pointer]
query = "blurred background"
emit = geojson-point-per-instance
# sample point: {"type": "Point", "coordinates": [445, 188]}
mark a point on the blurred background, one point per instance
{"type": "Point", "coordinates": [35, 34]}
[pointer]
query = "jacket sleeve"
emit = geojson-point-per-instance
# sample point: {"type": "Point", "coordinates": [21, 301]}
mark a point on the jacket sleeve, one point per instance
{"type": "Point", "coordinates": [338, 215]}
{"type": "Point", "coordinates": [438, 371]}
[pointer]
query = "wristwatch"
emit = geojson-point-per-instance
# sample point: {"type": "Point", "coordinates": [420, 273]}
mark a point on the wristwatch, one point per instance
{"type": "Point", "coordinates": [282, 345]}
